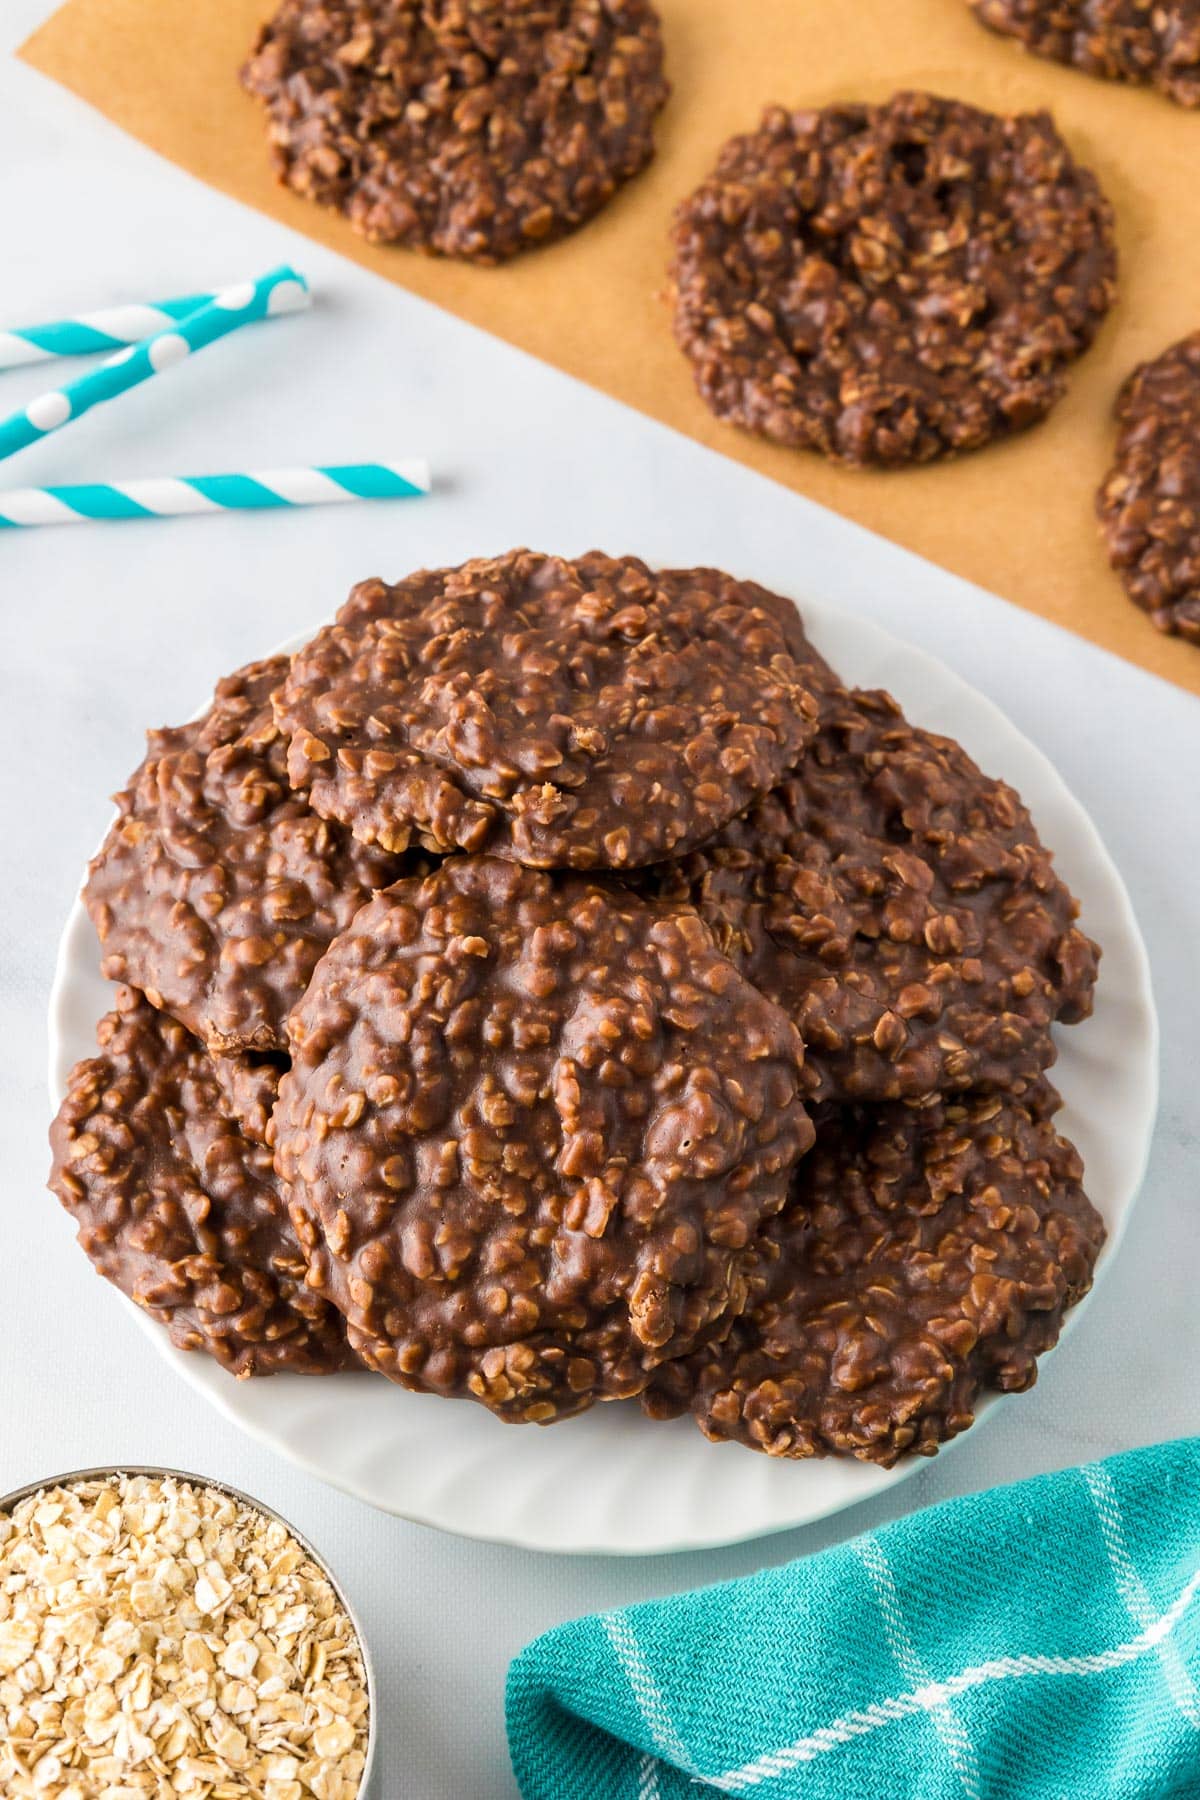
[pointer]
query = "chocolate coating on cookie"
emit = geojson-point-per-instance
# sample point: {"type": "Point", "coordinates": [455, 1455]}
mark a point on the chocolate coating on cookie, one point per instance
{"type": "Point", "coordinates": [927, 1254]}
{"type": "Point", "coordinates": [249, 1084]}
{"type": "Point", "coordinates": [889, 284]}
{"type": "Point", "coordinates": [1144, 41]}
{"type": "Point", "coordinates": [217, 888]}
{"type": "Point", "coordinates": [900, 907]}
{"type": "Point", "coordinates": [474, 128]}
{"type": "Point", "coordinates": [179, 1209]}
{"type": "Point", "coordinates": [531, 1126]}
{"type": "Point", "coordinates": [1149, 503]}
{"type": "Point", "coordinates": [578, 714]}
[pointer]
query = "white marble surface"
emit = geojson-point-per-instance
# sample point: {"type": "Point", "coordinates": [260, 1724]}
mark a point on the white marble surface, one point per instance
{"type": "Point", "coordinates": [109, 628]}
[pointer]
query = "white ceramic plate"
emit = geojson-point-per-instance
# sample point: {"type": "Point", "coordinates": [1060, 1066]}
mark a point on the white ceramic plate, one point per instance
{"type": "Point", "coordinates": [611, 1481]}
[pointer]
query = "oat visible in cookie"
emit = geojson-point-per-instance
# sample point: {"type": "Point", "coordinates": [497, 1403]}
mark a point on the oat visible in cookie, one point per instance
{"type": "Point", "coordinates": [531, 1126]}
{"type": "Point", "coordinates": [927, 1254]}
{"type": "Point", "coordinates": [1149, 504]}
{"type": "Point", "coordinates": [178, 1208]}
{"type": "Point", "coordinates": [891, 283]}
{"type": "Point", "coordinates": [901, 908]}
{"type": "Point", "coordinates": [584, 714]}
{"type": "Point", "coordinates": [1144, 41]}
{"type": "Point", "coordinates": [217, 888]}
{"type": "Point", "coordinates": [249, 1084]}
{"type": "Point", "coordinates": [473, 128]}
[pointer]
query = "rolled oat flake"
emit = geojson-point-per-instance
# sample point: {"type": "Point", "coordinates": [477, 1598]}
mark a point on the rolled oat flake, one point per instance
{"type": "Point", "coordinates": [159, 1637]}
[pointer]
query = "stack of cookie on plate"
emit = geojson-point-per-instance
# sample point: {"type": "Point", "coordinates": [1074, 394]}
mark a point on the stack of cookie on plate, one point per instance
{"type": "Point", "coordinates": [553, 985]}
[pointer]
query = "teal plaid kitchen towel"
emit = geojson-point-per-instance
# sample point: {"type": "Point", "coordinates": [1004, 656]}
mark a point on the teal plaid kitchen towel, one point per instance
{"type": "Point", "coordinates": [1038, 1642]}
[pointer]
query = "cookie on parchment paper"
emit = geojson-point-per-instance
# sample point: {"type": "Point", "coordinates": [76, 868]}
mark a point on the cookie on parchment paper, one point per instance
{"type": "Point", "coordinates": [891, 283]}
{"type": "Point", "coordinates": [1149, 503]}
{"type": "Point", "coordinates": [1154, 42]}
{"type": "Point", "coordinates": [473, 128]}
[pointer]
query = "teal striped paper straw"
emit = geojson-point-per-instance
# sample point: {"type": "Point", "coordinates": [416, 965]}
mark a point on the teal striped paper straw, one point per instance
{"type": "Point", "coordinates": [281, 291]}
{"type": "Point", "coordinates": [90, 332]}
{"type": "Point", "coordinates": [160, 498]}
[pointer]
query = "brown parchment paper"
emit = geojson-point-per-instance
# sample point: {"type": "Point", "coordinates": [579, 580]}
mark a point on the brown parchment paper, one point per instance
{"type": "Point", "coordinates": [1017, 517]}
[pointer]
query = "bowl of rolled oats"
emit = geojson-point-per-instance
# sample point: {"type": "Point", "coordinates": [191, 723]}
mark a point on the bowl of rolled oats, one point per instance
{"type": "Point", "coordinates": [165, 1635]}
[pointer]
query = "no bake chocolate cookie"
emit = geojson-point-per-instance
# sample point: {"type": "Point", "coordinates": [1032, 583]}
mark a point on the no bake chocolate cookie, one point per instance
{"type": "Point", "coordinates": [583, 714]}
{"type": "Point", "coordinates": [530, 1129]}
{"type": "Point", "coordinates": [901, 908]}
{"type": "Point", "coordinates": [1149, 504]}
{"type": "Point", "coordinates": [891, 283]}
{"type": "Point", "coordinates": [1145, 41]}
{"type": "Point", "coordinates": [249, 1084]}
{"type": "Point", "coordinates": [178, 1208]}
{"type": "Point", "coordinates": [927, 1254]}
{"type": "Point", "coordinates": [217, 888]}
{"type": "Point", "coordinates": [474, 128]}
